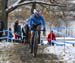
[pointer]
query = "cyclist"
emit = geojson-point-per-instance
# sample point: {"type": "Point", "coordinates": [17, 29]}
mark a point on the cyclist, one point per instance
{"type": "Point", "coordinates": [35, 19]}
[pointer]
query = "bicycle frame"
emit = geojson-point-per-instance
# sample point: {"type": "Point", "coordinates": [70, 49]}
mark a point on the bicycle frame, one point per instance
{"type": "Point", "coordinates": [35, 40]}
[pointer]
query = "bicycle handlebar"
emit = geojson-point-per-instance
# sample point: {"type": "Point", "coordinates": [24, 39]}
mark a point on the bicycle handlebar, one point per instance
{"type": "Point", "coordinates": [36, 24]}
{"type": "Point", "coordinates": [35, 27]}
{"type": "Point", "coordinates": [40, 30]}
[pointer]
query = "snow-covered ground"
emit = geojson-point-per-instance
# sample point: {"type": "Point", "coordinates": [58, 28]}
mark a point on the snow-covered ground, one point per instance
{"type": "Point", "coordinates": [64, 53]}
{"type": "Point", "coordinates": [5, 45]}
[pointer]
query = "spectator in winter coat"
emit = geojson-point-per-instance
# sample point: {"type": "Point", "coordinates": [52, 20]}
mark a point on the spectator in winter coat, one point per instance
{"type": "Point", "coordinates": [17, 30]}
{"type": "Point", "coordinates": [16, 26]}
{"type": "Point", "coordinates": [51, 36]}
{"type": "Point", "coordinates": [10, 35]}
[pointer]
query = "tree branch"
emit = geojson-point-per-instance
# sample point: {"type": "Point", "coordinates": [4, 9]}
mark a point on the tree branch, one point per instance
{"type": "Point", "coordinates": [22, 2]}
{"type": "Point", "coordinates": [14, 6]}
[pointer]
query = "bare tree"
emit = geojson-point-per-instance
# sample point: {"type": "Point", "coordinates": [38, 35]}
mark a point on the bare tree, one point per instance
{"type": "Point", "coordinates": [5, 10]}
{"type": "Point", "coordinates": [3, 14]}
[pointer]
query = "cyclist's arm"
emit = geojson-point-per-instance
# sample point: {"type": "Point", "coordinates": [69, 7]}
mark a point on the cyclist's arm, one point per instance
{"type": "Point", "coordinates": [29, 22]}
{"type": "Point", "coordinates": [43, 23]}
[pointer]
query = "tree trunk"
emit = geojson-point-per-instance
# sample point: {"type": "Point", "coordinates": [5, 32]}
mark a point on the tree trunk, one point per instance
{"type": "Point", "coordinates": [33, 7]}
{"type": "Point", "coordinates": [3, 14]}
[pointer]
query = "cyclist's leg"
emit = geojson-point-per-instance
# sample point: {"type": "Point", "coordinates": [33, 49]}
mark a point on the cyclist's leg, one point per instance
{"type": "Point", "coordinates": [29, 39]}
{"type": "Point", "coordinates": [39, 37]}
{"type": "Point", "coordinates": [27, 33]}
{"type": "Point", "coordinates": [32, 40]}
{"type": "Point", "coordinates": [39, 32]}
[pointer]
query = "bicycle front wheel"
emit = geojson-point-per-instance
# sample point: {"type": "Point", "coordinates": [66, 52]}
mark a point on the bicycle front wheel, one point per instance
{"type": "Point", "coordinates": [35, 45]}
{"type": "Point", "coordinates": [35, 50]}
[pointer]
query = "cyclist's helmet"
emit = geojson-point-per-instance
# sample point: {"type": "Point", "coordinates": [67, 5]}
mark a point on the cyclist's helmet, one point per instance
{"type": "Point", "coordinates": [36, 12]}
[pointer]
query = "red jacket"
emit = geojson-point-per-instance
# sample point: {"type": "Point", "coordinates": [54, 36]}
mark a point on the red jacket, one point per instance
{"type": "Point", "coordinates": [51, 36]}
{"type": "Point", "coordinates": [16, 36]}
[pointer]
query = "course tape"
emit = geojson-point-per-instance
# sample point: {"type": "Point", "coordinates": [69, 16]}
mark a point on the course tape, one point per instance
{"type": "Point", "coordinates": [63, 34]}
{"type": "Point", "coordinates": [55, 42]}
{"type": "Point", "coordinates": [4, 31]}
{"type": "Point", "coordinates": [63, 28]}
{"type": "Point", "coordinates": [8, 38]}
{"type": "Point", "coordinates": [62, 43]}
{"type": "Point", "coordinates": [58, 43]}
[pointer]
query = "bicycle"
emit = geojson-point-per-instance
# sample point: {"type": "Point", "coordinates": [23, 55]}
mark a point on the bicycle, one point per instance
{"type": "Point", "coordinates": [35, 41]}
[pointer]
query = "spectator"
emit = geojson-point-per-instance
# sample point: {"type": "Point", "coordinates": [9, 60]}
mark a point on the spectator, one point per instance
{"type": "Point", "coordinates": [1, 29]}
{"type": "Point", "coordinates": [51, 36]}
{"type": "Point", "coordinates": [10, 35]}
{"type": "Point", "coordinates": [17, 30]}
{"type": "Point", "coordinates": [16, 26]}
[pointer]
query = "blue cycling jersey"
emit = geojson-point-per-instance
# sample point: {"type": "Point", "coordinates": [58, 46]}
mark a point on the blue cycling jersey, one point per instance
{"type": "Point", "coordinates": [36, 20]}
